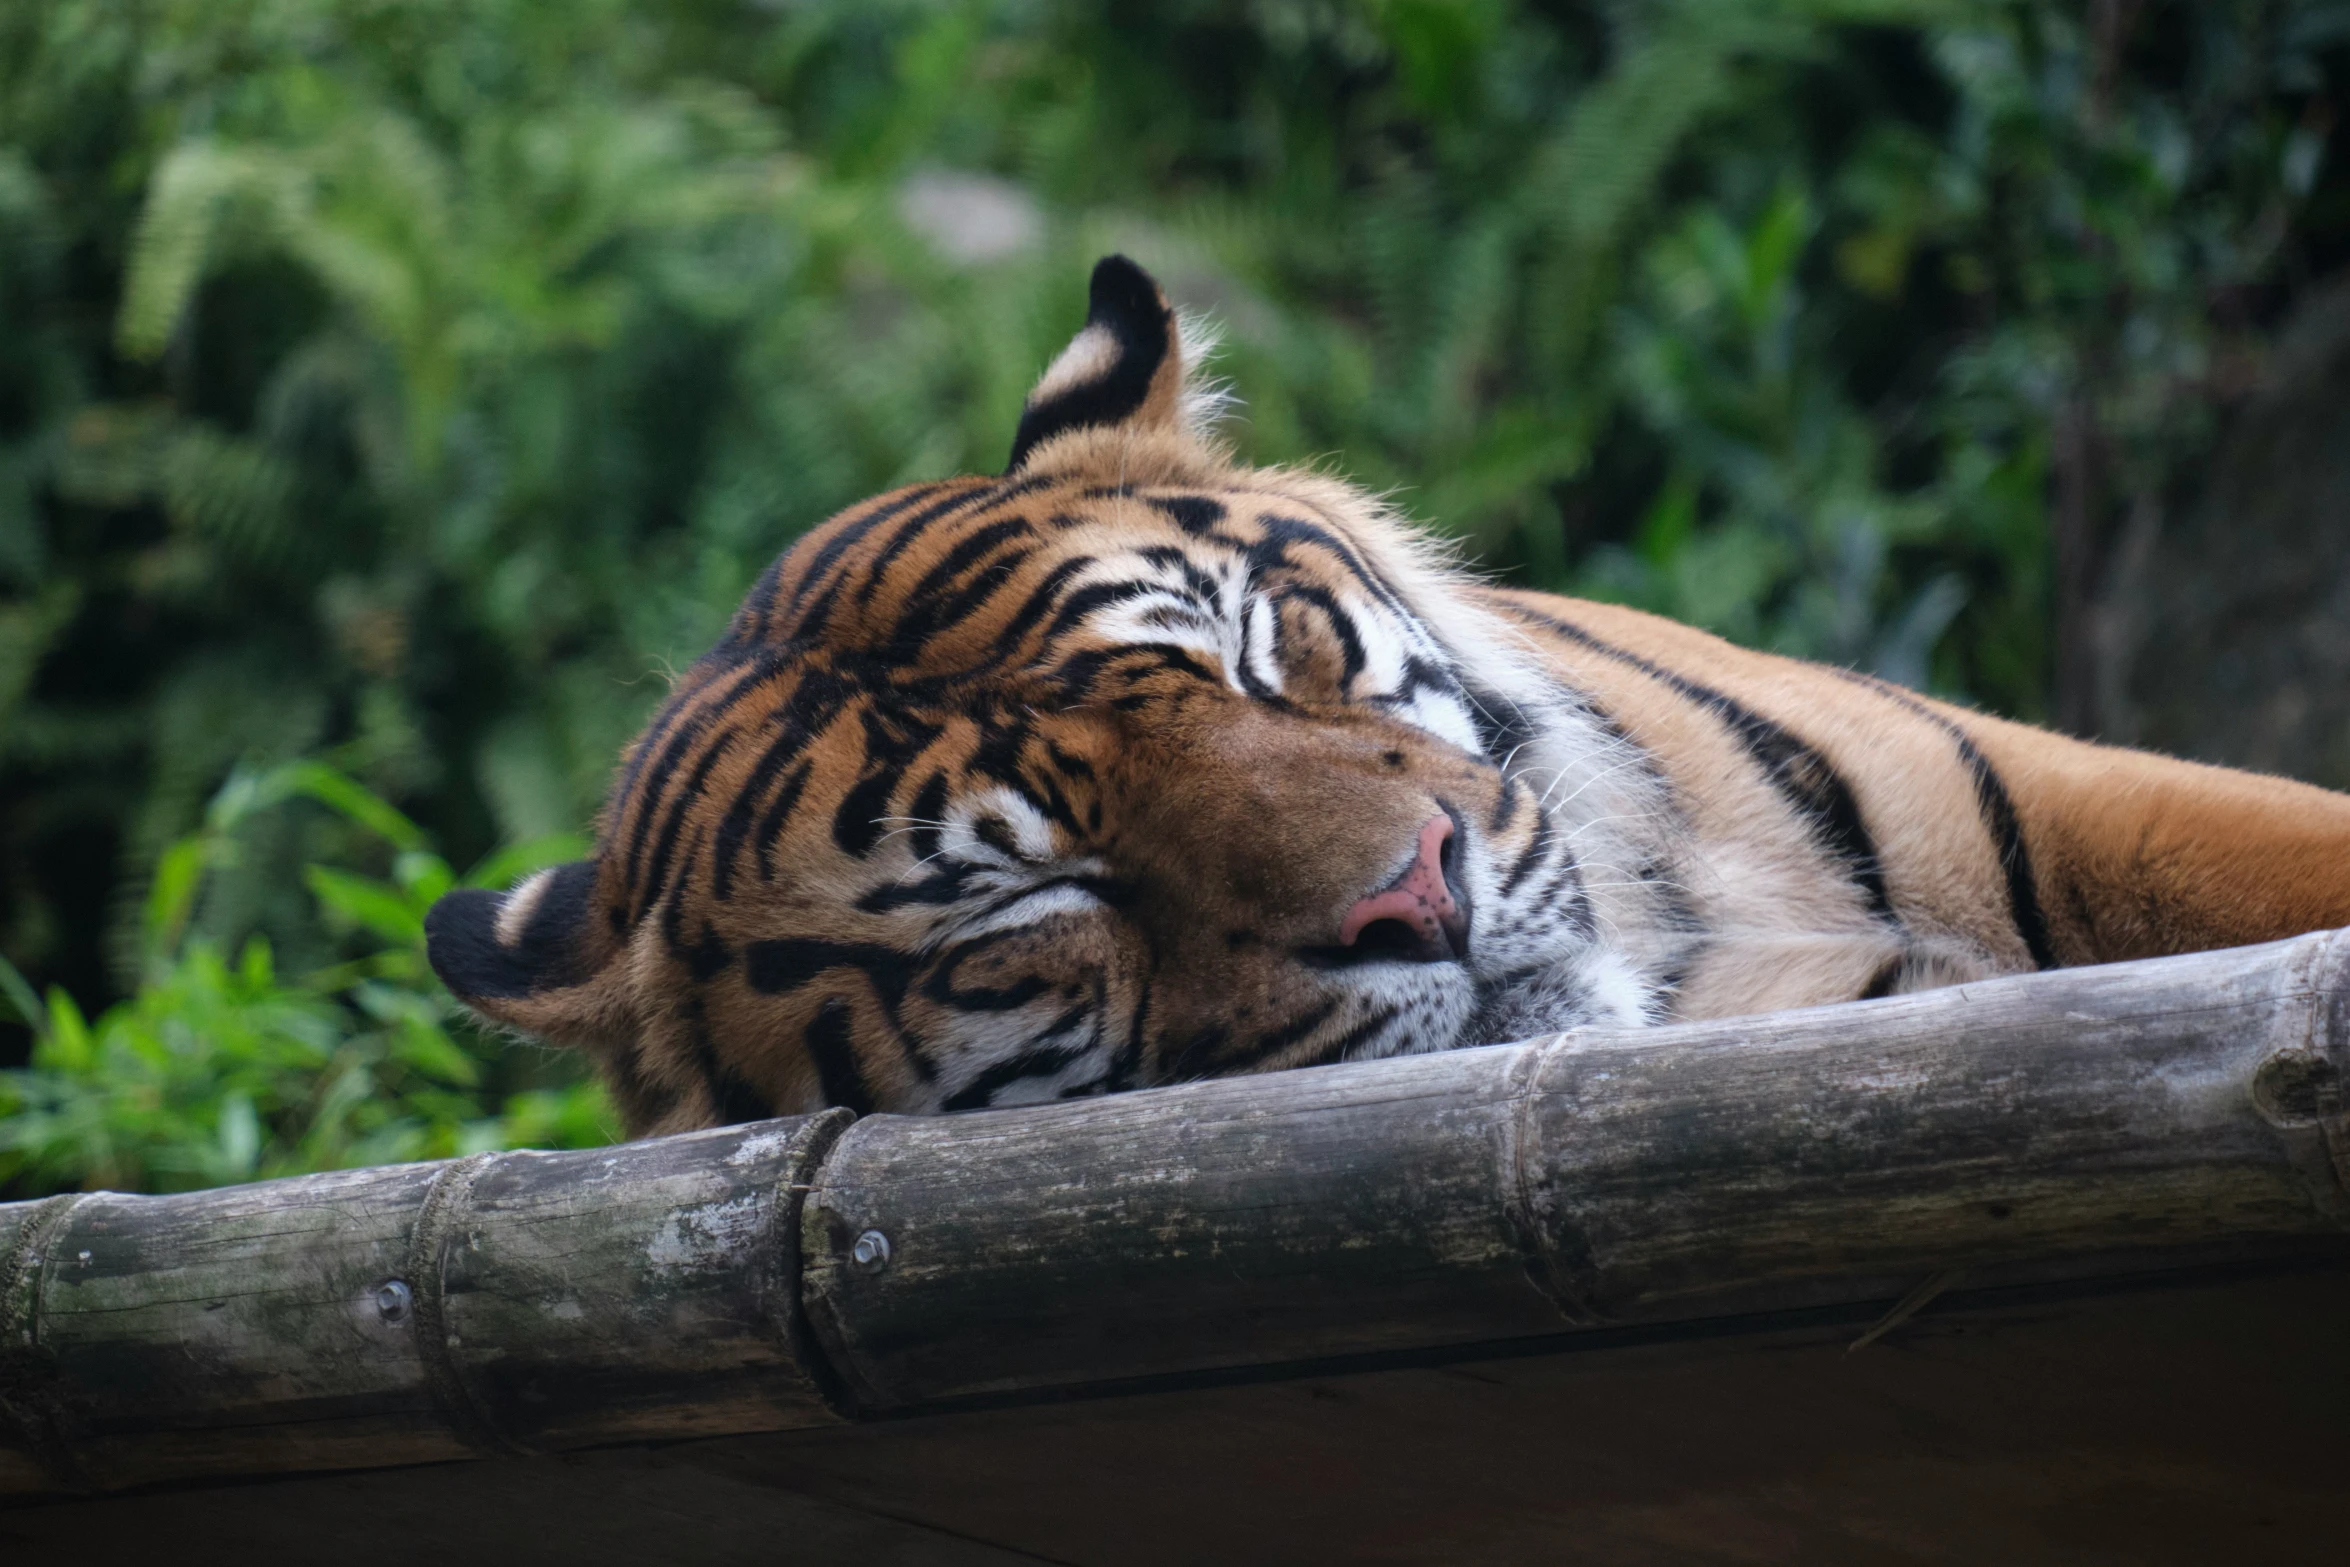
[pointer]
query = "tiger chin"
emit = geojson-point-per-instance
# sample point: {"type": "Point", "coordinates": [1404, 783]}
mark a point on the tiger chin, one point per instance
{"type": "Point", "coordinates": [1135, 764]}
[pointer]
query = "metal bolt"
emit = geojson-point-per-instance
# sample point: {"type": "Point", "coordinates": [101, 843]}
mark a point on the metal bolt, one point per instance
{"type": "Point", "coordinates": [871, 1251]}
{"type": "Point", "coordinates": [2296, 1088]}
{"type": "Point", "coordinates": [392, 1300]}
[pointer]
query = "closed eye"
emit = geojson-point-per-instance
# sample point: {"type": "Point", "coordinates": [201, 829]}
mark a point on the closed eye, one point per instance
{"type": "Point", "coordinates": [997, 834]}
{"type": "Point", "coordinates": [1062, 895]}
{"type": "Point", "coordinates": [995, 829]}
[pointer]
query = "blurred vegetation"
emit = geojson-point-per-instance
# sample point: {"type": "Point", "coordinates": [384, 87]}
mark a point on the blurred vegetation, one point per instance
{"type": "Point", "coordinates": [218, 1069]}
{"type": "Point", "coordinates": [397, 389]}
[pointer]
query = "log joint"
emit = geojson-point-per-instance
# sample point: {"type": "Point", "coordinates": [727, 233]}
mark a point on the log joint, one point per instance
{"type": "Point", "coordinates": [441, 1218]}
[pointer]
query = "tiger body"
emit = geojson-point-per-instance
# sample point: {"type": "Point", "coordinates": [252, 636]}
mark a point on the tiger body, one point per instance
{"type": "Point", "coordinates": [1137, 764]}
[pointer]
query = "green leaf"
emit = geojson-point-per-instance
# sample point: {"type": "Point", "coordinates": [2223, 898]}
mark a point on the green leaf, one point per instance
{"type": "Point", "coordinates": [26, 1002]}
{"type": "Point", "coordinates": [422, 876]}
{"type": "Point", "coordinates": [240, 1135]}
{"type": "Point", "coordinates": [172, 894]}
{"type": "Point", "coordinates": [373, 905]}
{"type": "Point", "coordinates": [505, 867]}
{"type": "Point", "coordinates": [67, 1044]}
{"type": "Point", "coordinates": [195, 191]}
{"type": "Point", "coordinates": [435, 1054]}
{"type": "Point", "coordinates": [342, 793]}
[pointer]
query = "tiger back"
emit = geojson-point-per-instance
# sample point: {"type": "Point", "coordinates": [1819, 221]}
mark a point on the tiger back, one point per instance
{"type": "Point", "coordinates": [1137, 764]}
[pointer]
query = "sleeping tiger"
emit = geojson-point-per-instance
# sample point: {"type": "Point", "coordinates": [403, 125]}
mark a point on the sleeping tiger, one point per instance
{"type": "Point", "coordinates": [1137, 765]}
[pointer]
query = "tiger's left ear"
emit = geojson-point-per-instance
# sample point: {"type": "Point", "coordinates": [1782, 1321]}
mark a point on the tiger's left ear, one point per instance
{"type": "Point", "coordinates": [533, 958]}
{"type": "Point", "coordinates": [1125, 369]}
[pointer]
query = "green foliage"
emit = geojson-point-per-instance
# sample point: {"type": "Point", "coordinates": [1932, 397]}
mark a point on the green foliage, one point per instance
{"type": "Point", "coordinates": [220, 1069]}
{"type": "Point", "coordinates": [412, 385]}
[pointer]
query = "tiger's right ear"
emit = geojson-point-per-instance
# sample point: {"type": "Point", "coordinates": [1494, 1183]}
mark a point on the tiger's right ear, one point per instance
{"type": "Point", "coordinates": [528, 957]}
{"type": "Point", "coordinates": [1127, 369]}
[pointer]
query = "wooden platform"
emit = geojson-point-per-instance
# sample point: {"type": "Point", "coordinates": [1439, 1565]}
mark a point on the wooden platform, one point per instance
{"type": "Point", "coordinates": [2048, 1269]}
{"type": "Point", "coordinates": [2199, 1418]}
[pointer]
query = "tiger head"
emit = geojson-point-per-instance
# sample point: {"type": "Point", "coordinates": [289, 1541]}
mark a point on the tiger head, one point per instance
{"type": "Point", "coordinates": [1130, 766]}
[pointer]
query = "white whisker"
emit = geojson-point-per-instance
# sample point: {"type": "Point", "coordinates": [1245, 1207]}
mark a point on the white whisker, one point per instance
{"type": "Point", "coordinates": [1626, 765]}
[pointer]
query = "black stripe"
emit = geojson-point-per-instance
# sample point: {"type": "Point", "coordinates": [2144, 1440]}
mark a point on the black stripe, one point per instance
{"type": "Point", "coordinates": [1505, 809]}
{"type": "Point", "coordinates": [849, 530]}
{"type": "Point", "coordinates": [1342, 626]}
{"type": "Point", "coordinates": [839, 1076]}
{"type": "Point", "coordinates": [980, 1092]}
{"type": "Point", "coordinates": [968, 550]}
{"type": "Point", "coordinates": [890, 750]}
{"type": "Point", "coordinates": [928, 805]}
{"type": "Point", "coordinates": [1133, 663]}
{"type": "Point", "coordinates": [1281, 532]}
{"type": "Point", "coordinates": [1420, 674]}
{"type": "Point", "coordinates": [936, 617]}
{"type": "Point", "coordinates": [1094, 596]}
{"type": "Point", "coordinates": [1039, 601]}
{"type": "Point", "coordinates": [779, 967]}
{"type": "Point", "coordinates": [812, 620]}
{"type": "Point", "coordinates": [941, 986]}
{"type": "Point", "coordinates": [657, 873]}
{"type": "Point", "coordinates": [771, 823]}
{"type": "Point", "coordinates": [750, 621]}
{"type": "Point", "coordinates": [1345, 1044]}
{"type": "Point", "coordinates": [994, 493]}
{"type": "Point", "coordinates": [1537, 844]}
{"type": "Point", "coordinates": [1881, 983]}
{"type": "Point", "coordinates": [942, 886]}
{"type": "Point", "coordinates": [1501, 734]}
{"type": "Point", "coordinates": [682, 721]}
{"type": "Point", "coordinates": [803, 716]}
{"type": "Point", "coordinates": [1802, 776]}
{"type": "Point", "coordinates": [1997, 808]}
{"type": "Point", "coordinates": [1196, 515]}
{"type": "Point", "coordinates": [1203, 589]}
{"type": "Point", "coordinates": [939, 888]}
{"type": "Point", "coordinates": [1122, 1070]}
{"type": "Point", "coordinates": [1271, 1043]}
{"type": "Point", "coordinates": [733, 1102]}
{"type": "Point", "coordinates": [705, 957]}
{"type": "Point", "coordinates": [2015, 861]}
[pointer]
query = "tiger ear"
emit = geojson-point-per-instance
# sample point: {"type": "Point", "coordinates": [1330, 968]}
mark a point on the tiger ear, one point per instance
{"type": "Point", "coordinates": [1124, 370]}
{"type": "Point", "coordinates": [529, 957]}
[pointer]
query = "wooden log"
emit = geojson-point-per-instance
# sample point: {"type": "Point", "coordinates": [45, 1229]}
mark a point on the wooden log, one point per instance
{"type": "Point", "coordinates": [505, 1302]}
{"type": "Point", "coordinates": [1712, 1170]}
{"type": "Point", "coordinates": [2096, 1118]}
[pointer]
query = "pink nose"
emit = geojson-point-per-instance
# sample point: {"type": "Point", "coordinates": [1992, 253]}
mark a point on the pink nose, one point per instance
{"type": "Point", "coordinates": [1416, 919]}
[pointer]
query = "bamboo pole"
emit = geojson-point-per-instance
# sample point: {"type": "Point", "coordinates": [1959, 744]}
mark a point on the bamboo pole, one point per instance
{"type": "Point", "coordinates": [504, 1302]}
{"type": "Point", "coordinates": [794, 1273]}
